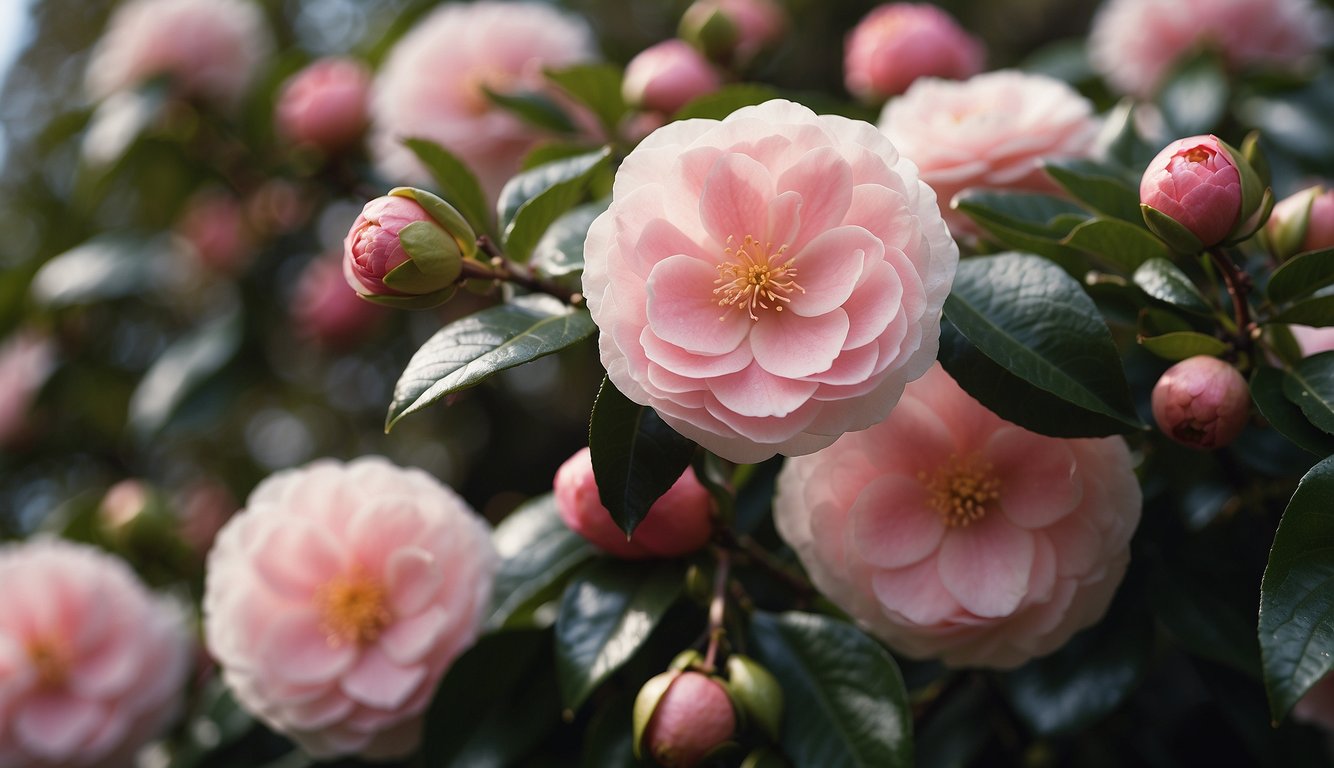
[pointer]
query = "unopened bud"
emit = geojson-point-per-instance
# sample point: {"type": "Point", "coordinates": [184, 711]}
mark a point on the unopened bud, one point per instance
{"type": "Point", "coordinates": [668, 76]}
{"type": "Point", "coordinates": [325, 104]}
{"type": "Point", "coordinates": [1301, 222]}
{"type": "Point", "coordinates": [1192, 184]}
{"type": "Point", "coordinates": [899, 42]}
{"type": "Point", "coordinates": [733, 32]}
{"type": "Point", "coordinates": [406, 249]}
{"type": "Point", "coordinates": [682, 717]}
{"type": "Point", "coordinates": [1201, 402]}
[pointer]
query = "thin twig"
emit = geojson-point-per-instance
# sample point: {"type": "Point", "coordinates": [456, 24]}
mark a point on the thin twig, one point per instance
{"type": "Point", "coordinates": [499, 267]}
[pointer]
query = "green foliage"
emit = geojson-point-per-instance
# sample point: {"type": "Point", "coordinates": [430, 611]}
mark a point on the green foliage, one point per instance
{"type": "Point", "coordinates": [531, 201]}
{"type": "Point", "coordinates": [538, 554]}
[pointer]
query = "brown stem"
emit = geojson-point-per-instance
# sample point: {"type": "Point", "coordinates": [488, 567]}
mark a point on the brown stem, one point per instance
{"type": "Point", "coordinates": [761, 557]}
{"type": "Point", "coordinates": [499, 267]}
{"type": "Point", "coordinates": [1238, 286]}
{"type": "Point", "coordinates": [718, 607]}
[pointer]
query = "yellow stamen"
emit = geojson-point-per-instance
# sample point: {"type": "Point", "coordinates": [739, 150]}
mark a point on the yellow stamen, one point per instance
{"type": "Point", "coordinates": [961, 491]}
{"type": "Point", "coordinates": [49, 661]}
{"type": "Point", "coordinates": [752, 277]}
{"type": "Point", "coordinates": [354, 609]}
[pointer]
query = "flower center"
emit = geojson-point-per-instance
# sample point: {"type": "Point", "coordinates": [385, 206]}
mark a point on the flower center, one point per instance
{"type": "Point", "coordinates": [49, 661]}
{"type": "Point", "coordinates": [754, 276]}
{"type": "Point", "coordinates": [961, 491]}
{"type": "Point", "coordinates": [353, 607]}
{"type": "Point", "coordinates": [1197, 155]}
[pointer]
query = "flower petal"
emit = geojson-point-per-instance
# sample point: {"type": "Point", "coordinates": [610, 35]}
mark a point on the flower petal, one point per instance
{"type": "Point", "coordinates": [824, 180]}
{"type": "Point", "coordinates": [683, 310]}
{"type": "Point", "coordinates": [786, 344]}
{"type": "Point", "coordinates": [915, 592]}
{"type": "Point", "coordinates": [407, 641]}
{"type": "Point", "coordinates": [753, 391]}
{"type": "Point", "coordinates": [1039, 480]}
{"type": "Point", "coordinates": [378, 682]}
{"type": "Point", "coordinates": [829, 268]}
{"type": "Point", "coordinates": [299, 650]}
{"type": "Point", "coordinates": [412, 576]}
{"type": "Point", "coordinates": [735, 200]}
{"type": "Point", "coordinates": [295, 558]}
{"type": "Point", "coordinates": [891, 524]}
{"type": "Point", "coordinates": [986, 566]}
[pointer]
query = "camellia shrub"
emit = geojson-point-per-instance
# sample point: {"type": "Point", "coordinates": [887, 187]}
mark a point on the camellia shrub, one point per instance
{"type": "Point", "coordinates": [727, 383]}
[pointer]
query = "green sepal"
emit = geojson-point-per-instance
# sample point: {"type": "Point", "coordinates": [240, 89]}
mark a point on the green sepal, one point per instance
{"type": "Point", "coordinates": [1255, 157]}
{"type": "Point", "coordinates": [434, 260]}
{"type": "Point", "coordinates": [1283, 237]}
{"type": "Point", "coordinates": [646, 702]}
{"type": "Point", "coordinates": [716, 38]}
{"type": "Point", "coordinates": [446, 215]}
{"type": "Point", "coordinates": [687, 659]}
{"type": "Point", "coordinates": [756, 694]}
{"type": "Point", "coordinates": [1171, 231]}
{"type": "Point", "coordinates": [1255, 222]}
{"type": "Point", "coordinates": [424, 301]}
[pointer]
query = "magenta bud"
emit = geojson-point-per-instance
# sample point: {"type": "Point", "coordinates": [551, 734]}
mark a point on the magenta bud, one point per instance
{"type": "Point", "coordinates": [689, 715]}
{"type": "Point", "coordinates": [668, 76]}
{"type": "Point", "coordinates": [678, 523]}
{"type": "Point", "coordinates": [406, 249]}
{"type": "Point", "coordinates": [1195, 183]}
{"type": "Point", "coordinates": [1201, 402]}
{"type": "Point", "coordinates": [897, 43]}
{"type": "Point", "coordinates": [325, 104]}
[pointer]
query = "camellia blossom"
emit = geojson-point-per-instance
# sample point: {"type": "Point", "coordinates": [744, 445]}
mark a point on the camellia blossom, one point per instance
{"type": "Point", "coordinates": [953, 534]}
{"type": "Point", "coordinates": [335, 601]}
{"type": "Point", "coordinates": [92, 665]}
{"type": "Point", "coordinates": [768, 282]}
{"type": "Point", "coordinates": [1136, 43]}
{"type": "Point", "coordinates": [325, 104]}
{"type": "Point", "coordinates": [899, 42]}
{"type": "Point", "coordinates": [1194, 182]}
{"type": "Point", "coordinates": [209, 48]}
{"type": "Point", "coordinates": [991, 131]}
{"type": "Point", "coordinates": [667, 76]}
{"type": "Point", "coordinates": [432, 85]}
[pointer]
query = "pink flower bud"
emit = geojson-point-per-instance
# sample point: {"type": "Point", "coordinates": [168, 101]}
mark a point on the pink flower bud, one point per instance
{"type": "Point", "coordinates": [1195, 183]}
{"type": "Point", "coordinates": [678, 523]}
{"type": "Point", "coordinates": [324, 311]}
{"type": "Point", "coordinates": [897, 43]}
{"type": "Point", "coordinates": [668, 76]}
{"type": "Point", "coordinates": [406, 249]}
{"type": "Point", "coordinates": [1201, 402]}
{"type": "Point", "coordinates": [325, 104]}
{"type": "Point", "coordinates": [693, 717]}
{"type": "Point", "coordinates": [1303, 221]}
{"type": "Point", "coordinates": [214, 224]}
{"type": "Point", "coordinates": [750, 26]}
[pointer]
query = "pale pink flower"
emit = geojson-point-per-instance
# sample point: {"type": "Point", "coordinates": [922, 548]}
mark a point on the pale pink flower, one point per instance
{"type": "Point", "coordinates": [210, 49]}
{"type": "Point", "coordinates": [325, 104]}
{"type": "Point", "coordinates": [214, 225]}
{"type": "Point", "coordinates": [1313, 340]}
{"type": "Point", "coordinates": [1136, 43]}
{"type": "Point", "coordinates": [92, 665]}
{"type": "Point", "coordinates": [693, 717]}
{"type": "Point", "coordinates": [768, 282]}
{"type": "Point", "coordinates": [991, 131]}
{"type": "Point", "coordinates": [26, 359]}
{"type": "Point", "coordinates": [667, 76]}
{"type": "Point", "coordinates": [756, 25]}
{"type": "Point", "coordinates": [431, 85]}
{"type": "Point", "coordinates": [1201, 402]}
{"type": "Point", "coordinates": [325, 311]}
{"type": "Point", "coordinates": [678, 523]}
{"type": "Point", "coordinates": [950, 533]}
{"type": "Point", "coordinates": [335, 601]}
{"type": "Point", "coordinates": [1194, 182]}
{"type": "Point", "coordinates": [897, 43]}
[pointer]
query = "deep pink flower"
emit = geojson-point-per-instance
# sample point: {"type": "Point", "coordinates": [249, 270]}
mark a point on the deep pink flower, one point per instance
{"type": "Point", "coordinates": [324, 310]}
{"type": "Point", "coordinates": [372, 249]}
{"type": "Point", "coordinates": [431, 84]}
{"type": "Point", "coordinates": [214, 225]}
{"type": "Point", "coordinates": [950, 533]}
{"type": "Point", "coordinates": [325, 104]}
{"type": "Point", "coordinates": [209, 48]}
{"type": "Point", "coordinates": [1194, 182]}
{"type": "Point", "coordinates": [897, 43]}
{"type": "Point", "coordinates": [92, 665]}
{"type": "Point", "coordinates": [668, 76]}
{"type": "Point", "coordinates": [338, 597]}
{"type": "Point", "coordinates": [770, 281]}
{"type": "Point", "coordinates": [991, 131]}
{"type": "Point", "coordinates": [756, 25]}
{"type": "Point", "coordinates": [693, 717]}
{"type": "Point", "coordinates": [26, 358]}
{"type": "Point", "coordinates": [1201, 402]}
{"type": "Point", "coordinates": [1136, 43]}
{"type": "Point", "coordinates": [678, 523]}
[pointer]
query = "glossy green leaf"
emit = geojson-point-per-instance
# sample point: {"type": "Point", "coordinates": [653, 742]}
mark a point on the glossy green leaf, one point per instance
{"type": "Point", "coordinates": [1318, 312]}
{"type": "Point", "coordinates": [596, 86]}
{"type": "Point", "coordinates": [725, 101]}
{"type": "Point", "coordinates": [561, 249]}
{"type": "Point", "coordinates": [1035, 321]}
{"type": "Point", "coordinates": [1120, 244]}
{"type": "Point", "coordinates": [1284, 415]}
{"type": "Point", "coordinates": [103, 268]}
{"type": "Point", "coordinates": [495, 705]}
{"type": "Point", "coordinates": [1297, 593]}
{"type": "Point", "coordinates": [1301, 276]}
{"type": "Point", "coordinates": [1124, 144]}
{"type": "Point", "coordinates": [845, 700]}
{"type": "Point", "coordinates": [458, 185]}
{"type": "Point", "coordinates": [1194, 96]}
{"type": "Point", "coordinates": [1183, 344]}
{"type": "Point", "coordinates": [186, 364]}
{"type": "Point", "coordinates": [1162, 280]}
{"type": "Point", "coordinates": [531, 201]}
{"type": "Point", "coordinates": [1035, 214]}
{"type": "Point", "coordinates": [607, 613]}
{"type": "Point", "coordinates": [538, 552]}
{"type": "Point", "coordinates": [1310, 385]}
{"type": "Point", "coordinates": [636, 456]}
{"type": "Point", "coordinates": [1102, 188]}
{"type": "Point", "coordinates": [535, 108]}
{"type": "Point", "coordinates": [468, 351]}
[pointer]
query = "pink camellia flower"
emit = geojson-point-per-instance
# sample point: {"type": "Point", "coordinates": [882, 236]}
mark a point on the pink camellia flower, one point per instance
{"type": "Point", "coordinates": [325, 104]}
{"type": "Point", "coordinates": [991, 131]}
{"type": "Point", "coordinates": [1195, 183]}
{"type": "Point", "coordinates": [215, 226]}
{"type": "Point", "coordinates": [26, 359]}
{"type": "Point", "coordinates": [768, 282]}
{"type": "Point", "coordinates": [678, 523]}
{"type": "Point", "coordinates": [325, 311]}
{"type": "Point", "coordinates": [1201, 402]}
{"type": "Point", "coordinates": [753, 26]}
{"type": "Point", "coordinates": [501, 46]}
{"type": "Point", "coordinates": [335, 601]}
{"type": "Point", "coordinates": [210, 49]}
{"type": "Point", "coordinates": [693, 717]}
{"type": "Point", "coordinates": [668, 76]}
{"type": "Point", "coordinates": [899, 42]}
{"type": "Point", "coordinates": [953, 534]}
{"type": "Point", "coordinates": [1313, 340]}
{"type": "Point", "coordinates": [1303, 221]}
{"type": "Point", "coordinates": [1136, 43]}
{"type": "Point", "coordinates": [92, 665]}
{"type": "Point", "coordinates": [372, 248]}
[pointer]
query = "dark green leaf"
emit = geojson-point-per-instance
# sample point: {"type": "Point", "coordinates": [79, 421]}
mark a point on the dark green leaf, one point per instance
{"type": "Point", "coordinates": [1297, 593]}
{"type": "Point", "coordinates": [534, 108]}
{"type": "Point", "coordinates": [1198, 603]}
{"type": "Point", "coordinates": [636, 456]}
{"type": "Point", "coordinates": [1120, 244]}
{"type": "Point", "coordinates": [1162, 280]}
{"type": "Point", "coordinates": [1034, 320]}
{"type": "Point", "coordinates": [550, 152]}
{"type": "Point", "coordinates": [1318, 312]}
{"type": "Point", "coordinates": [1302, 276]}
{"type": "Point", "coordinates": [608, 741]}
{"type": "Point", "coordinates": [1126, 147]}
{"type": "Point", "coordinates": [106, 267]}
{"type": "Point", "coordinates": [596, 86]}
{"type": "Point", "coordinates": [608, 611]}
{"type": "Point", "coordinates": [468, 351]}
{"type": "Point", "coordinates": [538, 552]}
{"type": "Point", "coordinates": [1284, 415]}
{"type": "Point", "coordinates": [1035, 214]}
{"type": "Point", "coordinates": [1184, 344]}
{"type": "Point", "coordinates": [497, 702]}
{"type": "Point", "coordinates": [458, 185]}
{"type": "Point", "coordinates": [1102, 188]}
{"type": "Point", "coordinates": [531, 201]}
{"type": "Point", "coordinates": [954, 734]}
{"type": "Point", "coordinates": [119, 121]}
{"type": "Point", "coordinates": [723, 102]}
{"type": "Point", "coordinates": [1311, 386]}
{"type": "Point", "coordinates": [846, 704]}
{"type": "Point", "coordinates": [561, 249]}
{"type": "Point", "coordinates": [1296, 120]}
{"type": "Point", "coordinates": [1194, 97]}
{"type": "Point", "coordinates": [186, 364]}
